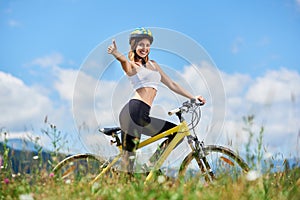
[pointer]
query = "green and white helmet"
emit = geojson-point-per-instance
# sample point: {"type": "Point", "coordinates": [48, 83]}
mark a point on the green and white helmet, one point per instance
{"type": "Point", "coordinates": [141, 33]}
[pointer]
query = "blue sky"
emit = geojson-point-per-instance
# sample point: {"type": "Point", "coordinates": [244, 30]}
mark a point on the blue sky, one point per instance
{"type": "Point", "coordinates": [252, 43]}
{"type": "Point", "coordinates": [265, 32]}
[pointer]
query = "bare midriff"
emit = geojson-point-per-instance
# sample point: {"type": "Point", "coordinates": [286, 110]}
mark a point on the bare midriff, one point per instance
{"type": "Point", "coordinates": [145, 94]}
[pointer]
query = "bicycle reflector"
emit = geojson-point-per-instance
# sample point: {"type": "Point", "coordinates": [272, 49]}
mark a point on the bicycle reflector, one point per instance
{"type": "Point", "coordinates": [227, 161]}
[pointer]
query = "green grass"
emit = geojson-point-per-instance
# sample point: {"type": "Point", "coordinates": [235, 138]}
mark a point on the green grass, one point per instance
{"type": "Point", "coordinates": [41, 184]}
{"type": "Point", "coordinates": [284, 185]}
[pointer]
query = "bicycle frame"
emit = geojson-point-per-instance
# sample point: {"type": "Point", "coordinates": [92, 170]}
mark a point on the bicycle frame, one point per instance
{"type": "Point", "coordinates": [181, 130]}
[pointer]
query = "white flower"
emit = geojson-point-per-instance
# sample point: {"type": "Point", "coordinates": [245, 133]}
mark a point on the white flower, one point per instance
{"type": "Point", "coordinates": [161, 179]}
{"type": "Point", "coordinates": [268, 155]}
{"type": "Point", "coordinates": [35, 157]}
{"type": "Point", "coordinates": [253, 175]}
{"type": "Point", "coordinates": [26, 197]}
{"type": "Point", "coordinates": [68, 181]}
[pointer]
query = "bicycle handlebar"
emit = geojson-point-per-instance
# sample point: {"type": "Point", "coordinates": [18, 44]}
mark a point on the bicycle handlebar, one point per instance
{"type": "Point", "coordinates": [186, 106]}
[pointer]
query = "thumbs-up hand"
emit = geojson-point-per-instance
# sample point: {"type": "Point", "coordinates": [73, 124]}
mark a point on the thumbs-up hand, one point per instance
{"type": "Point", "coordinates": [112, 48]}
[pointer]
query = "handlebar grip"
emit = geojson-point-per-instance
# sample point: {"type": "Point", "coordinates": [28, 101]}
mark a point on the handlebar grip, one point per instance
{"type": "Point", "coordinates": [201, 103]}
{"type": "Point", "coordinates": [174, 111]}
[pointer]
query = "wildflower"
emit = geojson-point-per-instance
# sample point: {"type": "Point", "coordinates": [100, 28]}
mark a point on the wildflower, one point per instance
{"type": "Point", "coordinates": [6, 181]}
{"type": "Point", "coordinates": [26, 197]}
{"type": "Point", "coordinates": [35, 157]}
{"type": "Point", "coordinates": [51, 175]}
{"type": "Point", "coordinates": [253, 175]}
{"type": "Point", "coordinates": [268, 155]}
{"type": "Point", "coordinates": [161, 179]}
{"type": "Point", "coordinates": [68, 181]}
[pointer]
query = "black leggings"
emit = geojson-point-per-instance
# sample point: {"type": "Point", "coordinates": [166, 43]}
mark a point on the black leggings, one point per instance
{"type": "Point", "coordinates": [135, 120]}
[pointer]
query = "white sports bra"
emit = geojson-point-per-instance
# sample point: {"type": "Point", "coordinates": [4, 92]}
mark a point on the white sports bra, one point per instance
{"type": "Point", "coordinates": [145, 78]}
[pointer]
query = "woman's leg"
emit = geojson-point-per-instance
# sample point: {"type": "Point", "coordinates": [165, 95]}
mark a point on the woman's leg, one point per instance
{"type": "Point", "coordinates": [133, 117]}
{"type": "Point", "coordinates": [155, 127]}
{"type": "Point", "coordinates": [129, 145]}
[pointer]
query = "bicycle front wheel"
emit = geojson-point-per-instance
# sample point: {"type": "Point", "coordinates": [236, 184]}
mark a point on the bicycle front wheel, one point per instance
{"type": "Point", "coordinates": [219, 162]}
{"type": "Point", "coordinates": [79, 167]}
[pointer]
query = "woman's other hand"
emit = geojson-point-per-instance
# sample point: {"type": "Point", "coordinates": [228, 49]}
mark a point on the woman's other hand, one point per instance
{"type": "Point", "coordinates": [201, 99]}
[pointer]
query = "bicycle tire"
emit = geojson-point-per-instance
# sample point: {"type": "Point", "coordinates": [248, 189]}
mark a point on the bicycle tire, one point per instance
{"type": "Point", "coordinates": [79, 167]}
{"type": "Point", "coordinates": [219, 162]}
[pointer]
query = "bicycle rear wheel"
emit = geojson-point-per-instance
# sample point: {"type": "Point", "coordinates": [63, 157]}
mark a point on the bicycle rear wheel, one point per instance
{"type": "Point", "coordinates": [79, 167]}
{"type": "Point", "coordinates": [219, 162]}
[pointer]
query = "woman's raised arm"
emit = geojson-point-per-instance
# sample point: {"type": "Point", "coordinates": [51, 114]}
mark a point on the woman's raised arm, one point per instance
{"type": "Point", "coordinates": [112, 49]}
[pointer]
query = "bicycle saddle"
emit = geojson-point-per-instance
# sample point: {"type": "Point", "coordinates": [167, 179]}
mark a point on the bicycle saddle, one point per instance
{"type": "Point", "coordinates": [110, 131]}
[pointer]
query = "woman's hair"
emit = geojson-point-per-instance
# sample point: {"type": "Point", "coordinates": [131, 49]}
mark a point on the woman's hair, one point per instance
{"type": "Point", "coordinates": [132, 55]}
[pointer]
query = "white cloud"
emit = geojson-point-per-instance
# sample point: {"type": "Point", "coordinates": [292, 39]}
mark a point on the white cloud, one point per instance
{"type": "Point", "coordinates": [275, 87]}
{"type": "Point", "coordinates": [20, 105]}
{"type": "Point", "coordinates": [51, 60]}
{"type": "Point", "coordinates": [90, 100]}
{"type": "Point", "coordinates": [272, 98]}
{"type": "Point", "coordinates": [235, 84]}
{"type": "Point", "coordinates": [82, 94]}
{"type": "Point", "coordinates": [65, 83]}
{"type": "Point", "coordinates": [92, 103]}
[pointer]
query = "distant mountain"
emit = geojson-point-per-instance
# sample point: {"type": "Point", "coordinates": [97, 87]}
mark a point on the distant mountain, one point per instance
{"type": "Point", "coordinates": [24, 156]}
{"type": "Point", "coordinates": [21, 144]}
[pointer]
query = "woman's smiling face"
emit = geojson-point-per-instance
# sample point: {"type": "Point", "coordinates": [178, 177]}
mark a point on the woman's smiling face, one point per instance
{"type": "Point", "coordinates": [143, 48]}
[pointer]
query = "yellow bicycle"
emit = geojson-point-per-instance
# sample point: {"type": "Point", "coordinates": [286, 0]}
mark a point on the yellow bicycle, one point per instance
{"type": "Point", "coordinates": [204, 162]}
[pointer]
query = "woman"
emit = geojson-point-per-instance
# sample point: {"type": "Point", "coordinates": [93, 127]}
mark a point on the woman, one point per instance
{"type": "Point", "coordinates": [145, 76]}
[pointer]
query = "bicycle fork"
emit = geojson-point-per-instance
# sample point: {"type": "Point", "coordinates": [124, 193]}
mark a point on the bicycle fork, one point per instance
{"type": "Point", "coordinates": [200, 157]}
